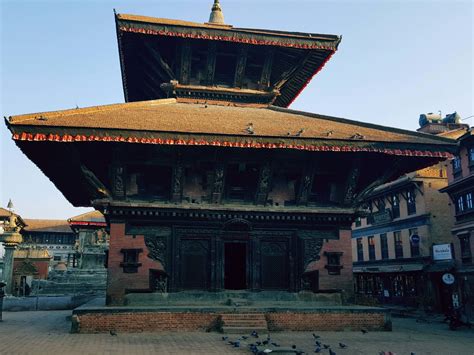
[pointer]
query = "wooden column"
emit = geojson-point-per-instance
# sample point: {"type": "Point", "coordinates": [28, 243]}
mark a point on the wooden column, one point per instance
{"type": "Point", "coordinates": [185, 62]}
{"type": "Point", "coordinates": [305, 186]}
{"type": "Point", "coordinates": [211, 62]}
{"type": "Point", "coordinates": [177, 183]}
{"type": "Point", "coordinates": [118, 181]}
{"type": "Point", "coordinates": [267, 69]}
{"type": "Point", "coordinates": [264, 184]}
{"type": "Point", "coordinates": [351, 183]}
{"type": "Point", "coordinates": [240, 66]}
{"type": "Point", "coordinates": [218, 184]}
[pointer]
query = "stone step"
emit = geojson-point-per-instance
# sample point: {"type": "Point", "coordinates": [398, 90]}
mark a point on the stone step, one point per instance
{"type": "Point", "coordinates": [243, 316]}
{"type": "Point", "coordinates": [244, 330]}
{"type": "Point", "coordinates": [243, 323]}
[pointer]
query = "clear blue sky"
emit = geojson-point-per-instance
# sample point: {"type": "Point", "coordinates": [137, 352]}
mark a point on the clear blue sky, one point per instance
{"type": "Point", "coordinates": [397, 59]}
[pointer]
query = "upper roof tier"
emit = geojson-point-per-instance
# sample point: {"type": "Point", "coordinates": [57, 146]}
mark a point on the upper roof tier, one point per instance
{"type": "Point", "coordinates": [162, 58]}
{"type": "Point", "coordinates": [169, 122]}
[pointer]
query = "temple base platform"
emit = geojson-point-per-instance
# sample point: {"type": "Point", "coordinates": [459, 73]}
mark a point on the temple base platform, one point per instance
{"type": "Point", "coordinates": [230, 312]}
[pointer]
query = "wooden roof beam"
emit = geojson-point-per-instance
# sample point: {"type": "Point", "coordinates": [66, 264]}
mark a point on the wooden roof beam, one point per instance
{"type": "Point", "coordinates": [157, 56]}
{"type": "Point", "coordinates": [289, 73]}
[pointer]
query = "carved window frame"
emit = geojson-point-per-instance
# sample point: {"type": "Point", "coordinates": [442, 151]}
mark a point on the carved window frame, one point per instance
{"type": "Point", "coordinates": [131, 259]}
{"type": "Point", "coordinates": [333, 265]}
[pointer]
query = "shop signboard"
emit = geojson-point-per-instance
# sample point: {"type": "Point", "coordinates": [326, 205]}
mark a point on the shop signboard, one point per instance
{"type": "Point", "coordinates": [442, 252]}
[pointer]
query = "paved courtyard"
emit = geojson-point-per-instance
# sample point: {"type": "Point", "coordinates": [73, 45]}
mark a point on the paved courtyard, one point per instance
{"type": "Point", "coordinates": [48, 333]}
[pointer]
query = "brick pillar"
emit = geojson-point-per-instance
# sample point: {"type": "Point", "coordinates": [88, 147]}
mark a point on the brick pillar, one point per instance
{"type": "Point", "coordinates": [120, 282]}
{"type": "Point", "coordinates": [115, 288]}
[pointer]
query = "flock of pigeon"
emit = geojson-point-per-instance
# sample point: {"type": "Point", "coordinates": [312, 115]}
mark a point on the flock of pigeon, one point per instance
{"type": "Point", "coordinates": [260, 346]}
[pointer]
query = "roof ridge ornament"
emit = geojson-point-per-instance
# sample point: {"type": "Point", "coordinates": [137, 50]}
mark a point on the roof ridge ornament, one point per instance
{"type": "Point", "coordinates": [216, 17]}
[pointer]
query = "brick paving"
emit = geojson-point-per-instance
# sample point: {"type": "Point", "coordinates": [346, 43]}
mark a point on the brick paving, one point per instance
{"type": "Point", "coordinates": [48, 333]}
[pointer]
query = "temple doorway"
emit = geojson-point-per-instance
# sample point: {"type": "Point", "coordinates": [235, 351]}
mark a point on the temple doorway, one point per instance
{"type": "Point", "coordinates": [235, 266]}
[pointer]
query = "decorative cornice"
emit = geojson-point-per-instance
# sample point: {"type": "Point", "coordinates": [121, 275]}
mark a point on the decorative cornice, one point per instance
{"type": "Point", "coordinates": [68, 138]}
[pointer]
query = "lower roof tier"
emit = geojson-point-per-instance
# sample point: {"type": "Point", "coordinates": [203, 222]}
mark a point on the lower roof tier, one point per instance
{"type": "Point", "coordinates": [170, 122]}
{"type": "Point", "coordinates": [78, 148]}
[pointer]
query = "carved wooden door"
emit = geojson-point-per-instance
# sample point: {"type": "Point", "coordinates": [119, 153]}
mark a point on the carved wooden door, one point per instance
{"type": "Point", "coordinates": [274, 265]}
{"type": "Point", "coordinates": [195, 264]}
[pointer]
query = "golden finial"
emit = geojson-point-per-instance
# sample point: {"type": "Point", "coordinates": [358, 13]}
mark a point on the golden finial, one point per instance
{"type": "Point", "coordinates": [216, 17]}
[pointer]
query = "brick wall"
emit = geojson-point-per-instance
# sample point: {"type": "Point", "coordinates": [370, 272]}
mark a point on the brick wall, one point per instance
{"type": "Point", "coordinates": [145, 322]}
{"type": "Point", "coordinates": [344, 280]}
{"type": "Point", "coordinates": [336, 321]}
{"type": "Point", "coordinates": [117, 280]}
{"type": "Point", "coordinates": [199, 321]}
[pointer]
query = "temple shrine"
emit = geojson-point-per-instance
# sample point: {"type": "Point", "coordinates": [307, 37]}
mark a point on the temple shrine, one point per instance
{"type": "Point", "coordinates": [207, 180]}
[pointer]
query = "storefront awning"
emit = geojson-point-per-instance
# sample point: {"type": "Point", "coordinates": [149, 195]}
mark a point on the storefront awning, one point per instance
{"type": "Point", "coordinates": [440, 266]}
{"type": "Point", "coordinates": [387, 268]}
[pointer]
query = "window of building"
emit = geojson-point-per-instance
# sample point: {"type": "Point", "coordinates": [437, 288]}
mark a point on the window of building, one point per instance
{"type": "Point", "coordinates": [469, 204]}
{"type": "Point", "coordinates": [466, 252]}
{"type": "Point", "coordinates": [241, 181]}
{"type": "Point", "coordinates": [414, 242]}
{"type": "Point", "coordinates": [253, 68]}
{"type": "Point", "coordinates": [226, 59]}
{"type": "Point", "coordinates": [360, 250]}
{"type": "Point", "coordinates": [149, 181]}
{"type": "Point", "coordinates": [199, 63]}
{"type": "Point", "coordinates": [384, 245]}
{"type": "Point", "coordinates": [395, 206]}
{"type": "Point", "coordinates": [370, 216]}
{"type": "Point", "coordinates": [333, 262]}
{"type": "Point", "coordinates": [130, 262]}
{"type": "Point", "coordinates": [371, 243]}
{"type": "Point", "coordinates": [57, 257]}
{"type": "Point", "coordinates": [397, 237]}
{"type": "Point", "coordinates": [358, 222]}
{"type": "Point", "coordinates": [470, 155]}
{"type": "Point", "coordinates": [324, 188]}
{"type": "Point", "coordinates": [460, 204]}
{"type": "Point", "coordinates": [456, 162]}
{"type": "Point", "coordinates": [411, 202]}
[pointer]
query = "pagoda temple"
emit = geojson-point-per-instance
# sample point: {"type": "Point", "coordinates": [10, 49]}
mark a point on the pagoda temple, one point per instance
{"type": "Point", "coordinates": [206, 179]}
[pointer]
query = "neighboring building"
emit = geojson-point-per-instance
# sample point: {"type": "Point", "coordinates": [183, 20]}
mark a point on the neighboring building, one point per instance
{"type": "Point", "coordinates": [29, 264]}
{"type": "Point", "coordinates": [92, 240]}
{"type": "Point", "coordinates": [208, 182]}
{"type": "Point", "coordinates": [392, 246]}
{"type": "Point", "coordinates": [56, 236]}
{"type": "Point", "coordinates": [461, 192]}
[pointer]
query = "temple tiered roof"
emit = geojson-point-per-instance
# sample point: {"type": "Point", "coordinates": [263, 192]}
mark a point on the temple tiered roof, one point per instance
{"type": "Point", "coordinates": [170, 122]}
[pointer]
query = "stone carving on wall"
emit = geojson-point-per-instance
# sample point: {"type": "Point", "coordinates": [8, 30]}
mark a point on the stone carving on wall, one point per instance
{"type": "Point", "coordinates": [312, 250]}
{"type": "Point", "coordinates": [156, 248]}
